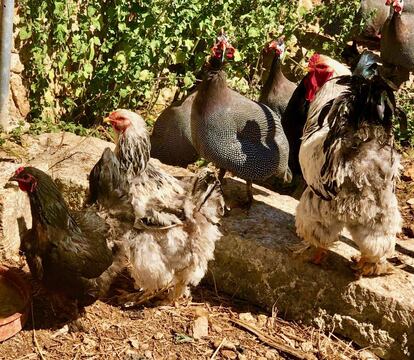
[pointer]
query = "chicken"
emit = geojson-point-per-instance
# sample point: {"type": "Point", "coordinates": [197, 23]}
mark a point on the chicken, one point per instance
{"type": "Point", "coordinates": [350, 165]}
{"type": "Point", "coordinates": [68, 251]}
{"type": "Point", "coordinates": [321, 69]}
{"type": "Point", "coordinates": [277, 89]}
{"type": "Point", "coordinates": [175, 227]}
{"type": "Point", "coordinates": [171, 136]}
{"type": "Point", "coordinates": [234, 132]}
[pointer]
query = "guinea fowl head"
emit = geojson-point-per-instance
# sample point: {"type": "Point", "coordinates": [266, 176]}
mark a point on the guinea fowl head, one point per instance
{"type": "Point", "coordinates": [320, 71]}
{"type": "Point", "coordinates": [132, 139]}
{"type": "Point", "coordinates": [221, 50]}
{"type": "Point", "coordinates": [277, 46]}
{"type": "Point", "coordinates": [398, 5]}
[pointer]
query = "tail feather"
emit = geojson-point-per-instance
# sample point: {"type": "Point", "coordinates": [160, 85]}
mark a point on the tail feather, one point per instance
{"type": "Point", "coordinates": [207, 195]}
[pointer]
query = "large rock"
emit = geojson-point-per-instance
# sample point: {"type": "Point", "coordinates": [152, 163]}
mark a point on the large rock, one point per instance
{"type": "Point", "coordinates": [253, 259]}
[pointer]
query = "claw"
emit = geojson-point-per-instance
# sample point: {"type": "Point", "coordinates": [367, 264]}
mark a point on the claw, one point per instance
{"type": "Point", "coordinates": [363, 267]}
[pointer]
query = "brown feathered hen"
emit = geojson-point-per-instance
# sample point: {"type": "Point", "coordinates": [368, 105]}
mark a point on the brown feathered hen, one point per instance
{"type": "Point", "coordinates": [70, 252]}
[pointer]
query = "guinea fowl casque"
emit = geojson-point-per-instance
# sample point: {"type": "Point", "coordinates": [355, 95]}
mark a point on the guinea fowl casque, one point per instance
{"type": "Point", "coordinates": [277, 89]}
{"type": "Point", "coordinates": [321, 69]}
{"type": "Point", "coordinates": [350, 166]}
{"type": "Point", "coordinates": [171, 136]}
{"type": "Point", "coordinates": [233, 132]}
{"type": "Point", "coordinates": [397, 41]}
{"type": "Point", "coordinates": [68, 251]}
{"type": "Point", "coordinates": [175, 227]}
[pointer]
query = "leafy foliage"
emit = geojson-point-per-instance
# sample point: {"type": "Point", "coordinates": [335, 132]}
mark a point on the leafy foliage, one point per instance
{"type": "Point", "coordinates": [84, 58]}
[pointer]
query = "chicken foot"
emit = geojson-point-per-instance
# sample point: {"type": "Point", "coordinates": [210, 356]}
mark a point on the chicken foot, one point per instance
{"type": "Point", "coordinates": [364, 267]}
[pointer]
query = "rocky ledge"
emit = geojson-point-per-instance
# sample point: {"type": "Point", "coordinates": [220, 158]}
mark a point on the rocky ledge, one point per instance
{"type": "Point", "coordinates": [253, 259]}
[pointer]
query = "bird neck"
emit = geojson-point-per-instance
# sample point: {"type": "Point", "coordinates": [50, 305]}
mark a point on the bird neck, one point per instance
{"type": "Point", "coordinates": [133, 151]}
{"type": "Point", "coordinates": [213, 84]}
{"type": "Point", "coordinates": [275, 75]}
{"type": "Point", "coordinates": [49, 208]}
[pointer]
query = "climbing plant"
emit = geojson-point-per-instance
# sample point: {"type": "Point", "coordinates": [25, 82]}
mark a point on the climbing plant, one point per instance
{"type": "Point", "coordinates": [84, 58]}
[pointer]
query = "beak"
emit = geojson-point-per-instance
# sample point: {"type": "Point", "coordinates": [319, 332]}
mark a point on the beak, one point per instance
{"type": "Point", "coordinates": [10, 184]}
{"type": "Point", "coordinates": [107, 120]}
{"type": "Point", "coordinates": [223, 55]}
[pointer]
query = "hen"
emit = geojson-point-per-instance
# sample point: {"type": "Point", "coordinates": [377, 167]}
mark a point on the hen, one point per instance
{"type": "Point", "coordinates": [66, 250]}
{"type": "Point", "coordinates": [350, 165]}
{"type": "Point", "coordinates": [175, 223]}
{"type": "Point", "coordinates": [234, 132]}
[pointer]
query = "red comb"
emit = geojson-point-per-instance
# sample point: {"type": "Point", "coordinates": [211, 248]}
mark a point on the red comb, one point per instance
{"type": "Point", "coordinates": [314, 60]}
{"type": "Point", "coordinates": [19, 170]}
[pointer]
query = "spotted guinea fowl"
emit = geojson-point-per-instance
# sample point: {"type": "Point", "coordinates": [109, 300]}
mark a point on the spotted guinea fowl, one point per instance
{"type": "Point", "coordinates": [321, 69]}
{"type": "Point", "coordinates": [397, 41]}
{"type": "Point", "coordinates": [350, 166]}
{"type": "Point", "coordinates": [233, 132]}
{"type": "Point", "coordinates": [171, 137]}
{"type": "Point", "coordinates": [70, 252]}
{"type": "Point", "coordinates": [175, 221]}
{"type": "Point", "coordinates": [277, 89]}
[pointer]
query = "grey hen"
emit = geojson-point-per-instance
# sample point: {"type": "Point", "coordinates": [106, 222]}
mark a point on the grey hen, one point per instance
{"type": "Point", "coordinates": [175, 222]}
{"type": "Point", "coordinates": [233, 132]}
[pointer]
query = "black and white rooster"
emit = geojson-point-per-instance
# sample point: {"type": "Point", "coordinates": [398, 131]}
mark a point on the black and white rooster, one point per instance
{"type": "Point", "coordinates": [174, 229]}
{"type": "Point", "coordinates": [350, 166]}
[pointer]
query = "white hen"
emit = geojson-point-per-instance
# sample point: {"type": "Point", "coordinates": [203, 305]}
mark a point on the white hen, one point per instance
{"type": "Point", "coordinates": [175, 228]}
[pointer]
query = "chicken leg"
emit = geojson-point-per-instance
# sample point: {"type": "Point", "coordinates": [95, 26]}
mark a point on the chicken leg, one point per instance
{"type": "Point", "coordinates": [364, 267]}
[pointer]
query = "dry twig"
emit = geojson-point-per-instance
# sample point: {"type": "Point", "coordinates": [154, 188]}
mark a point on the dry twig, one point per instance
{"type": "Point", "coordinates": [273, 342]}
{"type": "Point", "coordinates": [218, 349]}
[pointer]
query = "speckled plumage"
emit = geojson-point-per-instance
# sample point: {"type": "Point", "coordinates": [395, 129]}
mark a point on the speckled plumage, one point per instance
{"type": "Point", "coordinates": [237, 134]}
{"type": "Point", "coordinates": [350, 166]}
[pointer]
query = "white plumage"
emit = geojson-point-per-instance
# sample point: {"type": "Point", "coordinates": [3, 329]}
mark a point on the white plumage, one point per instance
{"type": "Point", "coordinates": [350, 166]}
{"type": "Point", "coordinates": [175, 229]}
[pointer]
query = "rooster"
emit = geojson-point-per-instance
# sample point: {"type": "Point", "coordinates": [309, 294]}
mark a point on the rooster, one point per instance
{"type": "Point", "coordinates": [175, 222]}
{"type": "Point", "coordinates": [350, 166]}
{"type": "Point", "coordinates": [66, 250]}
{"type": "Point", "coordinates": [321, 69]}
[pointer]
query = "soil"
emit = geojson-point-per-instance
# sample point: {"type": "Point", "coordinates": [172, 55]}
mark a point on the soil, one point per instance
{"type": "Point", "coordinates": [405, 194]}
{"type": "Point", "coordinates": [199, 328]}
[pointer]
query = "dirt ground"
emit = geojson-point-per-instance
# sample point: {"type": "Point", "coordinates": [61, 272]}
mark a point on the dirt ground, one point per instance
{"type": "Point", "coordinates": [211, 325]}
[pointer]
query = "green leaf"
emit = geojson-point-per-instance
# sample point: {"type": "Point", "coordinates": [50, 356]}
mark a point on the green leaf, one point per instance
{"type": "Point", "coordinates": [25, 33]}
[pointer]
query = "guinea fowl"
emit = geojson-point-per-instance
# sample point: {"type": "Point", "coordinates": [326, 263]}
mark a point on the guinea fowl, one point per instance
{"type": "Point", "coordinates": [233, 132]}
{"type": "Point", "coordinates": [277, 90]}
{"type": "Point", "coordinates": [397, 41]}
{"type": "Point", "coordinates": [175, 228]}
{"type": "Point", "coordinates": [350, 166]}
{"type": "Point", "coordinates": [68, 251]}
{"type": "Point", "coordinates": [321, 69]}
{"type": "Point", "coordinates": [171, 137]}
